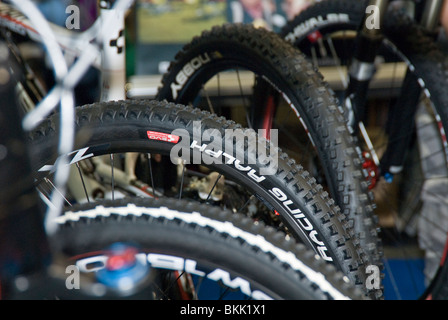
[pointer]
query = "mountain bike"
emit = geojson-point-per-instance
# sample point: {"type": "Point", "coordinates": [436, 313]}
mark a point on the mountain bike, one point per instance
{"type": "Point", "coordinates": [249, 75]}
{"type": "Point", "coordinates": [405, 139]}
{"type": "Point", "coordinates": [144, 248]}
{"type": "Point", "coordinates": [122, 118]}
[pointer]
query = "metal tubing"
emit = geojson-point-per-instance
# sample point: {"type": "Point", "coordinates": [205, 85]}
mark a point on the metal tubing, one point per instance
{"type": "Point", "coordinates": [431, 14]}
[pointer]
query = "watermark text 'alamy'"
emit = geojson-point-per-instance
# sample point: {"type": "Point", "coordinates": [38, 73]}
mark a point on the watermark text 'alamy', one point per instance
{"type": "Point", "coordinates": [239, 147]}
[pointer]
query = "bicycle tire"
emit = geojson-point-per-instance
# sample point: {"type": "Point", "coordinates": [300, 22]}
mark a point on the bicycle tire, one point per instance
{"type": "Point", "coordinates": [116, 127]}
{"type": "Point", "coordinates": [286, 69]}
{"type": "Point", "coordinates": [266, 265]}
{"type": "Point", "coordinates": [325, 16]}
{"type": "Point", "coordinates": [412, 43]}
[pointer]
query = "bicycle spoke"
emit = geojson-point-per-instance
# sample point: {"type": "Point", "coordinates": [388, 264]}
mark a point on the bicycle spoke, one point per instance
{"type": "Point", "coordinates": [82, 181]}
{"type": "Point", "coordinates": [213, 188]}
{"type": "Point", "coordinates": [151, 174]}
{"type": "Point", "coordinates": [112, 182]}
{"type": "Point", "coordinates": [337, 62]}
{"type": "Point", "coordinates": [243, 99]}
{"type": "Point", "coordinates": [56, 189]}
{"type": "Point", "coordinates": [209, 102]}
{"type": "Point", "coordinates": [182, 180]}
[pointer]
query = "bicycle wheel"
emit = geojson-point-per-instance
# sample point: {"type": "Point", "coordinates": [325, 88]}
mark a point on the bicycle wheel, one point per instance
{"type": "Point", "coordinates": [252, 76]}
{"type": "Point", "coordinates": [326, 32]}
{"type": "Point", "coordinates": [288, 199]}
{"type": "Point", "coordinates": [177, 249]}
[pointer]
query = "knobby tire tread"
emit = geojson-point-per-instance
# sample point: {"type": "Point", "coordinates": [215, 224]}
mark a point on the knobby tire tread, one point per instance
{"type": "Point", "coordinates": [268, 55]}
{"type": "Point", "coordinates": [121, 121]}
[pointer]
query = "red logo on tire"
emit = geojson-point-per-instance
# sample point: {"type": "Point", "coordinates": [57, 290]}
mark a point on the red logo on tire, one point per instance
{"type": "Point", "coordinates": [160, 136]}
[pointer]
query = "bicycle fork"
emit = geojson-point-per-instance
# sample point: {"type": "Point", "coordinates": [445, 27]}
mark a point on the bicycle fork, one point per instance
{"type": "Point", "coordinates": [361, 71]}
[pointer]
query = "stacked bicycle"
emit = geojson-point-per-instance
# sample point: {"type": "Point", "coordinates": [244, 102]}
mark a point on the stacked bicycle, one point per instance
{"type": "Point", "coordinates": [129, 238]}
{"type": "Point", "coordinates": [406, 153]}
{"type": "Point", "coordinates": [401, 170]}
